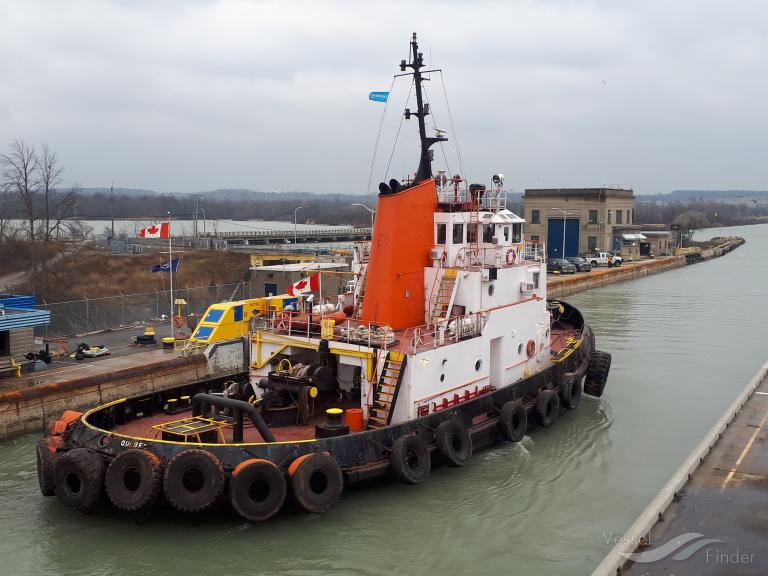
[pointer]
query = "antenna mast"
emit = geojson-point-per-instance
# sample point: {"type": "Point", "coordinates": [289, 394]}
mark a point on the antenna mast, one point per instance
{"type": "Point", "coordinates": [424, 171]}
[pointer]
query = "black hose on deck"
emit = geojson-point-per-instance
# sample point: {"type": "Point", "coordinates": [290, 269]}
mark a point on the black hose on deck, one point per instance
{"type": "Point", "coordinates": [239, 406]}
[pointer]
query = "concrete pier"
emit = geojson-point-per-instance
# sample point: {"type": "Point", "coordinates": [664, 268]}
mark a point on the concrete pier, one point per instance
{"type": "Point", "coordinates": [712, 516]}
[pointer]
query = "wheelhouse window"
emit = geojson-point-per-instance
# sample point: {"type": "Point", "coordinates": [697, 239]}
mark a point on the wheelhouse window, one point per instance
{"type": "Point", "coordinates": [506, 234]}
{"type": "Point", "coordinates": [441, 233]}
{"type": "Point", "coordinates": [535, 280]}
{"type": "Point", "coordinates": [458, 234]}
{"type": "Point", "coordinates": [488, 233]}
{"type": "Point", "coordinates": [471, 234]}
{"type": "Point", "coordinates": [535, 217]}
{"type": "Point", "coordinates": [517, 232]}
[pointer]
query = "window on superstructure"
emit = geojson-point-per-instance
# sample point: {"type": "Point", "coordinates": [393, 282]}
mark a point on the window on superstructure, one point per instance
{"type": "Point", "coordinates": [441, 233]}
{"type": "Point", "coordinates": [488, 233]}
{"type": "Point", "coordinates": [536, 280]}
{"type": "Point", "coordinates": [506, 233]}
{"type": "Point", "coordinates": [535, 217]}
{"type": "Point", "coordinates": [458, 233]}
{"type": "Point", "coordinates": [471, 234]}
{"type": "Point", "coordinates": [517, 232]}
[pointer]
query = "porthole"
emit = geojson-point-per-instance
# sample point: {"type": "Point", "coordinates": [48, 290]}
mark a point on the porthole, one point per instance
{"type": "Point", "coordinates": [491, 289]}
{"type": "Point", "coordinates": [442, 377]}
{"type": "Point", "coordinates": [478, 364]}
{"type": "Point", "coordinates": [520, 348]}
{"type": "Point", "coordinates": [547, 333]}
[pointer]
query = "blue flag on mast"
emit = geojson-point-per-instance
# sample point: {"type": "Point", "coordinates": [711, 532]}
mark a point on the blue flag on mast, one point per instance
{"type": "Point", "coordinates": [167, 266]}
{"type": "Point", "coordinates": [378, 96]}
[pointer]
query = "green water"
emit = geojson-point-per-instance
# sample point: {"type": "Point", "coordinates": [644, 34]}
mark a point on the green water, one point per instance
{"type": "Point", "coordinates": [683, 342]}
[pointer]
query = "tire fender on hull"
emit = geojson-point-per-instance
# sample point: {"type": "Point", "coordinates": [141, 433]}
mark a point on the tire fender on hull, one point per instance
{"type": "Point", "coordinates": [78, 477]}
{"type": "Point", "coordinates": [454, 442]}
{"type": "Point", "coordinates": [570, 393]}
{"type": "Point", "coordinates": [410, 459]}
{"type": "Point", "coordinates": [193, 480]}
{"type": "Point", "coordinates": [46, 459]}
{"type": "Point", "coordinates": [257, 489]}
{"type": "Point", "coordinates": [134, 480]}
{"type": "Point", "coordinates": [547, 407]}
{"type": "Point", "coordinates": [513, 421]}
{"type": "Point", "coordinates": [597, 373]}
{"type": "Point", "coordinates": [316, 482]}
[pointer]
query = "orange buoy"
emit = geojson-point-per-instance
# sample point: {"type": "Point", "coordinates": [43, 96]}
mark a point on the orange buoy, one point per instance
{"type": "Point", "coordinates": [354, 419]}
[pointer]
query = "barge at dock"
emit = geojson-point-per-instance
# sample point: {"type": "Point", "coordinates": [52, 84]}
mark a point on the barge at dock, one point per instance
{"type": "Point", "coordinates": [445, 343]}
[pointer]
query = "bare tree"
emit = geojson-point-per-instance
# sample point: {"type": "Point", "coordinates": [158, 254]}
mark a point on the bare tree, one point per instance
{"type": "Point", "coordinates": [19, 176]}
{"type": "Point", "coordinates": [56, 203]}
{"type": "Point", "coordinates": [689, 222]}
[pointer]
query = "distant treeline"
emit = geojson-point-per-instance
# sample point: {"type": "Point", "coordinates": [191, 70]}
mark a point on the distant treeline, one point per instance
{"type": "Point", "coordinates": [715, 213]}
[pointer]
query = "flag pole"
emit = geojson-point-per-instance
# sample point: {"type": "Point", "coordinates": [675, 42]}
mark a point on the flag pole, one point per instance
{"type": "Point", "coordinates": [170, 259]}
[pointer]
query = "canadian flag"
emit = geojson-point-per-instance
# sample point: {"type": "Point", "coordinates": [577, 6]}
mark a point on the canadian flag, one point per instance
{"type": "Point", "coordinates": [308, 284]}
{"type": "Point", "coordinates": [155, 231]}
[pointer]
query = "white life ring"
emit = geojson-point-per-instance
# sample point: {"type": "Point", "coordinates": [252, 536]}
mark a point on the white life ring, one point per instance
{"type": "Point", "coordinates": [511, 256]}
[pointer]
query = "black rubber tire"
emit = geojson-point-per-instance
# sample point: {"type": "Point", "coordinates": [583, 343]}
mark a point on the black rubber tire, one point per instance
{"type": "Point", "coordinates": [547, 407]}
{"type": "Point", "coordinates": [45, 466]}
{"type": "Point", "coordinates": [570, 393]}
{"type": "Point", "coordinates": [617, 264]}
{"type": "Point", "coordinates": [317, 483]}
{"type": "Point", "coordinates": [454, 443]}
{"type": "Point", "coordinates": [134, 480]}
{"type": "Point", "coordinates": [597, 373]}
{"type": "Point", "coordinates": [82, 346]}
{"type": "Point", "coordinates": [410, 459]}
{"type": "Point", "coordinates": [193, 480]}
{"type": "Point", "coordinates": [594, 263]}
{"type": "Point", "coordinates": [79, 477]}
{"type": "Point", "coordinates": [513, 421]}
{"type": "Point", "coordinates": [257, 489]}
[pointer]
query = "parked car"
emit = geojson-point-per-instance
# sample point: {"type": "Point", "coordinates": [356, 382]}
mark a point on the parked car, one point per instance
{"type": "Point", "coordinates": [560, 265]}
{"type": "Point", "coordinates": [582, 264]}
{"type": "Point", "coordinates": [604, 259]}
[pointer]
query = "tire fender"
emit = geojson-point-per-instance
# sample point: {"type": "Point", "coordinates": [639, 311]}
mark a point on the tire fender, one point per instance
{"type": "Point", "coordinates": [513, 421]}
{"type": "Point", "coordinates": [257, 489]}
{"type": "Point", "coordinates": [79, 477]}
{"type": "Point", "coordinates": [454, 442]}
{"type": "Point", "coordinates": [134, 480]}
{"type": "Point", "coordinates": [547, 407]}
{"type": "Point", "coordinates": [316, 482]}
{"type": "Point", "coordinates": [193, 480]}
{"type": "Point", "coordinates": [410, 459]}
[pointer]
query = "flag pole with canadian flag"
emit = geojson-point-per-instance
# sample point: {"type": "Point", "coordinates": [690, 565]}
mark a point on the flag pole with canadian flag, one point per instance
{"type": "Point", "coordinates": [170, 259]}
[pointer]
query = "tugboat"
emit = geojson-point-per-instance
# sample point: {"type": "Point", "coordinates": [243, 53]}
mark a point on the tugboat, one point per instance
{"type": "Point", "coordinates": [447, 344]}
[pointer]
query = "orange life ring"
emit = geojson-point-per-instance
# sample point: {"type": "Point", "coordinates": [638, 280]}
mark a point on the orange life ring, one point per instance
{"type": "Point", "coordinates": [530, 348]}
{"type": "Point", "coordinates": [511, 256]}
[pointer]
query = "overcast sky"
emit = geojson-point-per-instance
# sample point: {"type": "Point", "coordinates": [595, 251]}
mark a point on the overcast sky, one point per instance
{"type": "Point", "coordinates": [192, 96]}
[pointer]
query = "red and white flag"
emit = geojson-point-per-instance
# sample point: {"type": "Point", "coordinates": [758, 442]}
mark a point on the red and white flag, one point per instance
{"type": "Point", "coordinates": [308, 284]}
{"type": "Point", "coordinates": [163, 230]}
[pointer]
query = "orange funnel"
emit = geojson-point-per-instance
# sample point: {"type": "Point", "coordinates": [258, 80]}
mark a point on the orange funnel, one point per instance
{"type": "Point", "coordinates": [402, 238]}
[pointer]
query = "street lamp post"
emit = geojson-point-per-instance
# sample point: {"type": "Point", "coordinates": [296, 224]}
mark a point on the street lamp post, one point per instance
{"type": "Point", "coordinates": [565, 218]}
{"type": "Point", "coordinates": [371, 210]}
{"type": "Point", "coordinates": [295, 226]}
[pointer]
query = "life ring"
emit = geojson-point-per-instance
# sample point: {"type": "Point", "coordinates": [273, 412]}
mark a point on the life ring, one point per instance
{"type": "Point", "coordinates": [46, 459]}
{"type": "Point", "coordinates": [548, 407]}
{"type": "Point", "coordinates": [530, 348]}
{"type": "Point", "coordinates": [317, 482]}
{"type": "Point", "coordinates": [257, 489]}
{"type": "Point", "coordinates": [410, 459]}
{"type": "Point", "coordinates": [454, 443]}
{"type": "Point", "coordinates": [513, 421]}
{"type": "Point", "coordinates": [193, 480]}
{"type": "Point", "coordinates": [134, 480]}
{"type": "Point", "coordinates": [511, 256]}
{"type": "Point", "coordinates": [78, 477]}
{"type": "Point", "coordinates": [570, 393]}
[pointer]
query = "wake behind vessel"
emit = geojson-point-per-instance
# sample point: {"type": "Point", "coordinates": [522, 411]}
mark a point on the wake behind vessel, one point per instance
{"type": "Point", "coordinates": [446, 342]}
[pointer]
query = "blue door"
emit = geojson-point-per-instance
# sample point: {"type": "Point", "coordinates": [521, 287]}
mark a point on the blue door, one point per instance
{"type": "Point", "coordinates": [555, 237]}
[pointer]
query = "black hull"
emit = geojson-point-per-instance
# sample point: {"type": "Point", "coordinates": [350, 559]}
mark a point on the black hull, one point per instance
{"type": "Point", "coordinates": [362, 455]}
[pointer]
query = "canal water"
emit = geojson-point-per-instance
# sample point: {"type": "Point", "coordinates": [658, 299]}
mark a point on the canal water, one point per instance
{"type": "Point", "coordinates": [684, 343]}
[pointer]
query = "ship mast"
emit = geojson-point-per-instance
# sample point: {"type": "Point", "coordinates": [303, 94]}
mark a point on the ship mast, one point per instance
{"type": "Point", "coordinates": [424, 171]}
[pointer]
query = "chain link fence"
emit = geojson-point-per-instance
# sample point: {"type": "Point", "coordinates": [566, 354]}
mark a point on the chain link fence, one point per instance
{"type": "Point", "coordinates": [97, 314]}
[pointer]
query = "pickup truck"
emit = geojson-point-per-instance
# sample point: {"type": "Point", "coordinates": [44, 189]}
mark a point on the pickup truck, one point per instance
{"type": "Point", "coordinates": [604, 259]}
